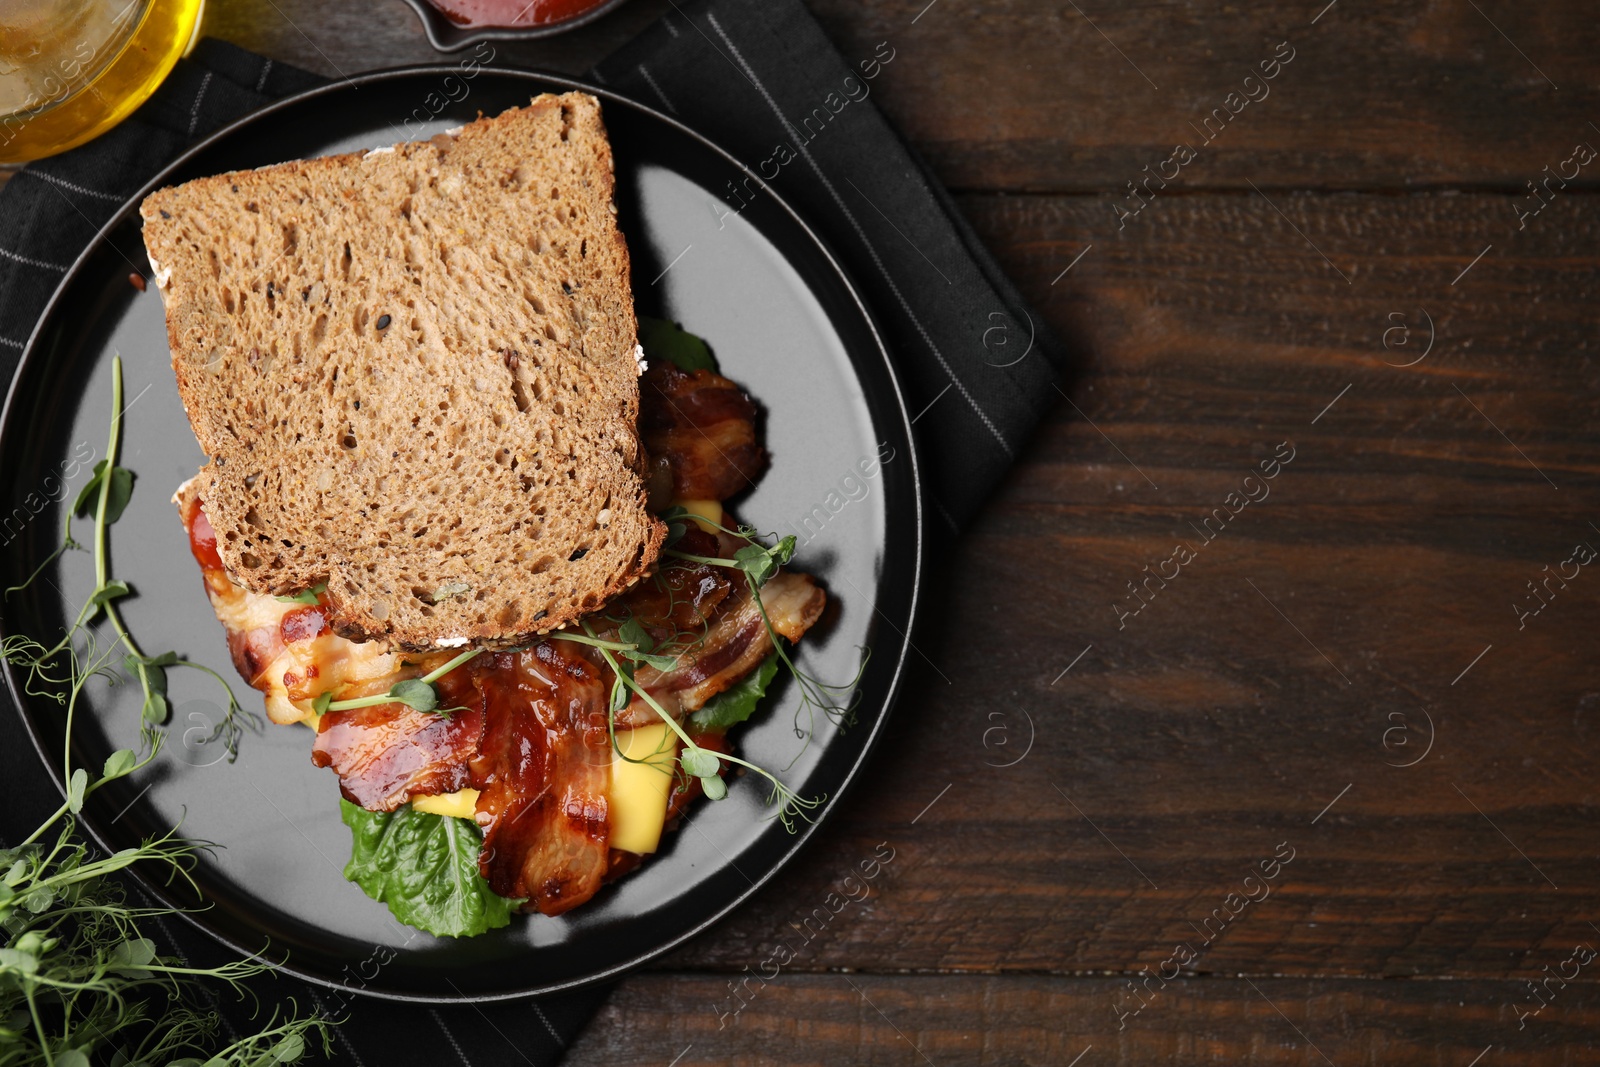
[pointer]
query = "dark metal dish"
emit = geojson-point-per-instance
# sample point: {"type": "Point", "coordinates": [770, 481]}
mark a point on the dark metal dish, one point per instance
{"type": "Point", "coordinates": [447, 35]}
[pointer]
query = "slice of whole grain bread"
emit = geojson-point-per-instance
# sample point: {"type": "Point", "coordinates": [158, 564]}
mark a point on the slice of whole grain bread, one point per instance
{"type": "Point", "coordinates": [415, 373]}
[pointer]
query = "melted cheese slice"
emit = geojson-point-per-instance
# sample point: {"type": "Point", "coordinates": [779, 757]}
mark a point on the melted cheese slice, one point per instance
{"type": "Point", "coordinates": [703, 512]}
{"type": "Point", "coordinates": [308, 667]}
{"type": "Point", "coordinates": [638, 795]}
{"type": "Point", "coordinates": [462, 804]}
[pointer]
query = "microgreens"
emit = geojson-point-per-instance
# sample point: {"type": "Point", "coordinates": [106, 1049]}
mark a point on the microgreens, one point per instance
{"type": "Point", "coordinates": [415, 693]}
{"type": "Point", "coordinates": [634, 644]}
{"type": "Point", "coordinates": [106, 496]}
{"type": "Point", "coordinates": [79, 983]}
{"type": "Point", "coordinates": [758, 562]}
{"type": "Point", "coordinates": [696, 761]}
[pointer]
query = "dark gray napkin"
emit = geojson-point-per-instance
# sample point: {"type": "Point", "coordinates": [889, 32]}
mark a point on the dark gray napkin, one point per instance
{"type": "Point", "coordinates": [976, 364]}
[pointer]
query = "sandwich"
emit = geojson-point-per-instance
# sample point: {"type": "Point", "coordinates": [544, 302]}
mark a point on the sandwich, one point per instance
{"type": "Point", "coordinates": [460, 518]}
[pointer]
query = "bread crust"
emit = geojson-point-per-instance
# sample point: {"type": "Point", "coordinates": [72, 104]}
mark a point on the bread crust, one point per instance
{"type": "Point", "coordinates": [415, 373]}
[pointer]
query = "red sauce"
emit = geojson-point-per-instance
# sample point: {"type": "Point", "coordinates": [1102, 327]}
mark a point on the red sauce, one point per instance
{"type": "Point", "coordinates": [302, 624]}
{"type": "Point", "coordinates": [202, 539]}
{"type": "Point", "coordinates": [512, 13]}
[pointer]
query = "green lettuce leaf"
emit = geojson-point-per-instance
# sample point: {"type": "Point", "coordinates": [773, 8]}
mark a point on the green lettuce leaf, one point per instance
{"type": "Point", "coordinates": [664, 340]}
{"type": "Point", "coordinates": [737, 703]}
{"type": "Point", "coordinates": [425, 867]}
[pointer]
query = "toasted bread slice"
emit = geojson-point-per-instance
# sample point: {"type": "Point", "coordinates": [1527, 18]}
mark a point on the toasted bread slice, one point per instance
{"type": "Point", "coordinates": [415, 372]}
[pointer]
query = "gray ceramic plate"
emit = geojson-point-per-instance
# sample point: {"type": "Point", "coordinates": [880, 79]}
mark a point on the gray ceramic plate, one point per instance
{"type": "Point", "coordinates": [782, 319]}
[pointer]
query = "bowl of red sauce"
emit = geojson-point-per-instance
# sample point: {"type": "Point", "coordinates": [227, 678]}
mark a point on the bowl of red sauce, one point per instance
{"type": "Point", "coordinates": [453, 24]}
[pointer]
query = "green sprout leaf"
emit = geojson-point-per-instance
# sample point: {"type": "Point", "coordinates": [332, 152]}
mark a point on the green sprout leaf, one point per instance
{"type": "Point", "coordinates": [75, 787]}
{"type": "Point", "coordinates": [416, 694]}
{"type": "Point", "coordinates": [757, 563]}
{"type": "Point", "coordinates": [320, 704]}
{"type": "Point", "coordinates": [116, 500]}
{"type": "Point", "coordinates": [632, 632]}
{"type": "Point", "coordinates": [699, 763]}
{"type": "Point", "coordinates": [120, 763]}
{"type": "Point", "coordinates": [156, 708]}
{"type": "Point", "coordinates": [109, 592]}
{"type": "Point", "coordinates": [663, 340]}
{"type": "Point", "coordinates": [713, 787]}
{"type": "Point", "coordinates": [677, 519]}
{"type": "Point", "coordinates": [131, 957]}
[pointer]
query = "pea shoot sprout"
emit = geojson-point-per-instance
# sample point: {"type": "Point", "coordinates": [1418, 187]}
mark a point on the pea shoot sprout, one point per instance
{"type": "Point", "coordinates": [79, 981]}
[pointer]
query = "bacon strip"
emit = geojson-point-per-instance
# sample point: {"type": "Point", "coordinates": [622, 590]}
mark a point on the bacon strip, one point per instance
{"type": "Point", "coordinates": [543, 769]}
{"type": "Point", "coordinates": [387, 754]}
{"type": "Point", "coordinates": [734, 645]}
{"type": "Point", "coordinates": [701, 428]}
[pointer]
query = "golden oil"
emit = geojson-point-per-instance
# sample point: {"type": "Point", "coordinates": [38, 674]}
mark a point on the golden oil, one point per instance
{"type": "Point", "coordinates": [72, 69]}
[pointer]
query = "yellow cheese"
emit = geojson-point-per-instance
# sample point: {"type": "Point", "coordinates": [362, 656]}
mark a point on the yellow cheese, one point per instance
{"type": "Point", "coordinates": [704, 512]}
{"type": "Point", "coordinates": [637, 799]}
{"type": "Point", "coordinates": [461, 804]}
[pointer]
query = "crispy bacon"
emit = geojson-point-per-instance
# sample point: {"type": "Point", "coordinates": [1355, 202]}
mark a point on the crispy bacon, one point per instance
{"type": "Point", "coordinates": [706, 616]}
{"type": "Point", "coordinates": [682, 594]}
{"type": "Point", "coordinates": [715, 648]}
{"type": "Point", "coordinates": [542, 770]}
{"type": "Point", "coordinates": [387, 754]}
{"type": "Point", "coordinates": [529, 733]}
{"type": "Point", "coordinates": [283, 649]}
{"type": "Point", "coordinates": [701, 429]}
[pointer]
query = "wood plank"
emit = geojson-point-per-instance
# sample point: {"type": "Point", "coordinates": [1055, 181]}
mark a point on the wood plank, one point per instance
{"type": "Point", "coordinates": [889, 1019]}
{"type": "Point", "coordinates": [1081, 97]}
{"type": "Point", "coordinates": [1212, 728]}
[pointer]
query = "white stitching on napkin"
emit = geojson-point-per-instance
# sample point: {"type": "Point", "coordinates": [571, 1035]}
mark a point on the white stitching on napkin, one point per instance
{"type": "Point", "coordinates": [800, 144]}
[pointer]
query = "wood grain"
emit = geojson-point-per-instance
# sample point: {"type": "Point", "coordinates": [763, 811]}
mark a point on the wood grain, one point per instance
{"type": "Point", "coordinates": [1080, 96]}
{"type": "Point", "coordinates": [1187, 744]}
{"type": "Point", "coordinates": [896, 1020]}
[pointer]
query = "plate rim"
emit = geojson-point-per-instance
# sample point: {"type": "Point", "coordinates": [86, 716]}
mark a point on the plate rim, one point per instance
{"type": "Point", "coordinates": [31, 355]}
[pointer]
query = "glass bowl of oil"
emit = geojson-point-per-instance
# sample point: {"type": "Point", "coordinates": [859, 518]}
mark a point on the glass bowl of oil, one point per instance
{"type": "Point", "coordinates": [72, 69]}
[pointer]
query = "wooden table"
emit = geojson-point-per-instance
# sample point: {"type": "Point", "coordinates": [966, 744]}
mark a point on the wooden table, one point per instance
{"type": "Point", "coordinates": [1342, 267]}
